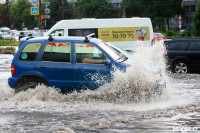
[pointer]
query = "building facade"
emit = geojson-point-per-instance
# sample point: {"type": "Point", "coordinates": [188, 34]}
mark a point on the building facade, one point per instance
{"type": "Point", "coordinates": [2, 1]}
{"type": "Point", "coordinates": [116, 3]}
{"type": "Point", "coordinates": [190, 7]}
{"type": "Point", "coordinates": [185, 21]}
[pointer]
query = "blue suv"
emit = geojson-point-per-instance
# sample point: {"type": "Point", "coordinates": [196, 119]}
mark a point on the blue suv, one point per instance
{"type": "Point", "coordinates": [64, 62]}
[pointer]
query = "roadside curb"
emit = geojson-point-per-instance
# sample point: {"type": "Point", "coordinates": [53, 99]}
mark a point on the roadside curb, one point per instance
{"type": "Point", "coordinates": [7, 50]}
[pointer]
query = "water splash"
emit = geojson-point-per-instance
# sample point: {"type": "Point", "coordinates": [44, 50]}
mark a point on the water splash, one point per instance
{"type": "Point", "coordinates": [134, 86]}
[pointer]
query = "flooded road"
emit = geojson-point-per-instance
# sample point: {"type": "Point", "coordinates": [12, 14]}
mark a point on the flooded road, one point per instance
{"type": "Point", "coordinates": [44, 109]}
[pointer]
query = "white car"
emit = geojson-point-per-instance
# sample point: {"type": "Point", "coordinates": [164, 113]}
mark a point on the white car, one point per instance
{"type": "Point", "coordinates": [6, 36]}
{"type": "Point", "coordinates": [15, 36]}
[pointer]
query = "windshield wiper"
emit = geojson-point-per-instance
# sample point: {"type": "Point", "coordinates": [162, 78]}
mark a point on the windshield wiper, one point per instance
{"type": "Point", "coordinates": [123, 57]}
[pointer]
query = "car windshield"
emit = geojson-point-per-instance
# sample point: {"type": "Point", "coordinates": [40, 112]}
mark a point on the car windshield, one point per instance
{"type": "Point", "coordinates": [110, 51]}
{"type": "Point", "coordinates": [123, 54]}
{"type": "Point", "coordinates": [158, 34]}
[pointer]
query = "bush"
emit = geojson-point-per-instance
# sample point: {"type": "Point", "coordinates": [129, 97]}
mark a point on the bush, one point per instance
{"type": "Point", "coordinates": [170, 33]}
{"type": "Point", "coordinates": [188, 34]}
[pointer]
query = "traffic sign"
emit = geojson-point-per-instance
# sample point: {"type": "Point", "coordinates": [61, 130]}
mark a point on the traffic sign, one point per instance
{"type": "Point", "coordinates": [46, 4]}
{"type": "Point", "coordinates": [35, 2]}
{"type": "Point", "coordinates": [46, 16]}
{"type": "Point", "coordinates": [34, 10]}
{"type": "Point", "coordinates": [46, 11]}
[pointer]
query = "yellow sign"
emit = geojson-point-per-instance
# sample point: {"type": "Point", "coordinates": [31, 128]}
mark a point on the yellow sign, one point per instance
{"type": "Point", "coordinates": [34, 10]}
{"type": "Point", "coordinates": [124, 34]}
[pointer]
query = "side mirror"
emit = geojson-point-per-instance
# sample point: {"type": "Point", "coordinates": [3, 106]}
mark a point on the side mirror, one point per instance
{"type": "Point", "coordinates": [108, 63]}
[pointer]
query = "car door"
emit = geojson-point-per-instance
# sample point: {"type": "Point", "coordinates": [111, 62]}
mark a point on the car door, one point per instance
{"type": "Point", "coordinates": [193, 53]}
{"type": "Point", "coordinates": [55, 64]}
{"type": "Point", "coordinates": [89, 71]}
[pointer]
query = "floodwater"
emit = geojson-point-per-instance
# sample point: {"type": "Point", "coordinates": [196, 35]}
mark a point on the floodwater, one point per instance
{"type": "Point", "coordinates": [125, 106]}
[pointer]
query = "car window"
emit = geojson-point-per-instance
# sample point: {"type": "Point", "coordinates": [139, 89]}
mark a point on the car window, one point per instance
{"type": "Point", "coordinates": [177, 45]}
{"type": "Point", "coordinates": [59, 32]}
{"type": "Point", "coordinates": [57, 52]}
{"type": "Point", "coordinates": [194, 46]}
{"type": "Point", "coordinates": [83, 32]}
{"type": "Point", "coordinates": [89, 54]}
{"type": "Point", "coordinates": [30, 51]}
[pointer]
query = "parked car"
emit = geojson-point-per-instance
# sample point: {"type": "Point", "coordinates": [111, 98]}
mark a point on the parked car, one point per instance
{"type": "Point", "coordinates": [183, 54]}
{"type": "Point", "coordinates": [66, 63]}
{"type": "Point", "coordinates": [159, 36]}
{"type": "Point", "coordinates": [5, 36]}
{"type": "Point", "coordinates": [1, 35]}
{"type": "Point", "coordinates": [4, 29]}
{"type": "Point", "coordinates": [15, 36]}
{"type": "Point", "coordinates": [26, 33]}
{"type": "Point", "coordinates": [12, 32]}
{"type": "Point", "coordinates": [183, 32]}
{"type": "Point", "coordinates": [36, 34]}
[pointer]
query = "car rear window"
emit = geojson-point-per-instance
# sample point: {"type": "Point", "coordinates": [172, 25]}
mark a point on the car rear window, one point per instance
{"type": "Point", "coordinates": [30, 51]}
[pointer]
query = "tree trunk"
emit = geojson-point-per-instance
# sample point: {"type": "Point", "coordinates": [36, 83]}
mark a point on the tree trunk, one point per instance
{"type": "Point", "coordinates": [167, 21]}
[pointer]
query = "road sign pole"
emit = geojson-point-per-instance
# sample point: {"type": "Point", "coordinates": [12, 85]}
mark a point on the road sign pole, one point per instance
{"type": "Point", "coordinates": [40, 13]}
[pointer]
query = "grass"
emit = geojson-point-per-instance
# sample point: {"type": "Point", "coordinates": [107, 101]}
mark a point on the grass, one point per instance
{"type": "Point", "coordinates": [8, 43]}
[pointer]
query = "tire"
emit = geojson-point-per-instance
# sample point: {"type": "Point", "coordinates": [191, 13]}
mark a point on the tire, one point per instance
{"type": "Point", "coordinates": [30, 83]}
{"type": "Point", "coordinates": [180, 67]}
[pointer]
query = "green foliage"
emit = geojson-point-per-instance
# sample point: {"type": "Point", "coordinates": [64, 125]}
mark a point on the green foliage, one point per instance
{"type": "Point", "coordinates": [0, 14]}
{"type": "Point", "coordinates": [170, 33]}
{"type": "Point", "coordinates": [157, 10]}
{"type": "Point", "coordinates": [173, 34]}
{"type": "Point", "coordinates": [60, 9]}
{"type": "Point", "coordinates": [96, 9]}
{"type": "Point", "coordinates": [196, 20]}
{"type": "Point", "coordinates": [20, 13]}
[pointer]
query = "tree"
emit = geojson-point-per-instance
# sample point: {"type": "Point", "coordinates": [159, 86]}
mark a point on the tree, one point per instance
{"type": "Point", "coordinates": [96, 9]}
{"type": "Point", "coordinates": [21, 15]}
{"type": "Point", "coordinates": [0, 14]}
{"type": "Point", "coordinates": [5, 21]}
{"type": "Point", "coordinates": [60, 11]}
{"type": "Point", "coordinates": [196, 20]}
{"type": "Point", "coordinates": [157, 10]}
{"type": "Point", "coordinates": [168, 9]}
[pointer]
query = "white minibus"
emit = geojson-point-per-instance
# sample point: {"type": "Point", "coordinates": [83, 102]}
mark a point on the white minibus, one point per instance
{"type": "Point", "coordinates": [126, 33]}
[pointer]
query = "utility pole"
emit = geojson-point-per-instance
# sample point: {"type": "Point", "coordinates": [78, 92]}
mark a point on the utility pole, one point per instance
{"type": "Point", "coordinates": [124, 8]}
{"type": "Point", "coordinates": [62, 10]}
{"type": "Point", "coordinates": [40, 14]}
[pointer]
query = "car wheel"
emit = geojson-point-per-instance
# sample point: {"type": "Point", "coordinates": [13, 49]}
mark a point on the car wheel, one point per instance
{"type": "Point", "coordinates": [180, 67]}
{"type": "Point", "coordinates": [25, 84]}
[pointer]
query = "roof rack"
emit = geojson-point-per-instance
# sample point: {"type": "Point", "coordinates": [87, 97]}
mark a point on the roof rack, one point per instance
{"type": "Point", "coordinates": [50, 38]}
{"type": "Point", "coordinates": [29, 37]}
{"type": "Point", "coordinates": [89, 36]}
